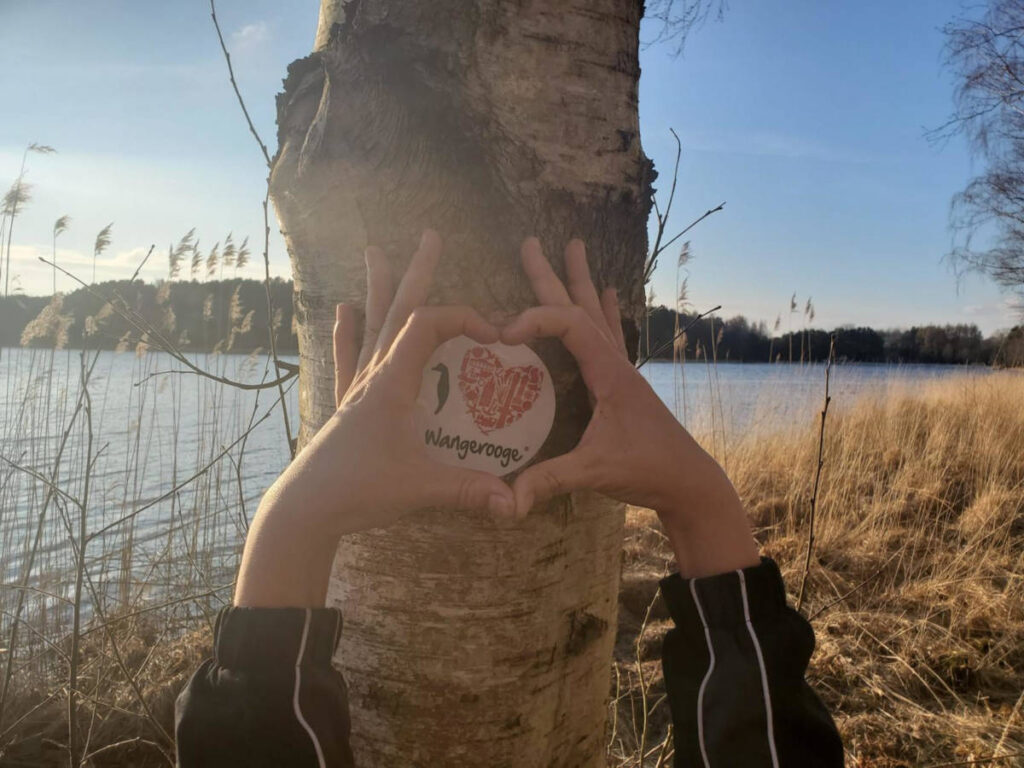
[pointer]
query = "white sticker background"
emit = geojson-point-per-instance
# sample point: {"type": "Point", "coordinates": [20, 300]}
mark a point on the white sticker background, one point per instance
{"type": "Point", "coordinates": [487, 407]}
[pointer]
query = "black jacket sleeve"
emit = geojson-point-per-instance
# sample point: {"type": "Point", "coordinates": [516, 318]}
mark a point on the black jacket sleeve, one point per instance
{"type": "Point", "coordinates": [734, 671]}
{"type": "Point", "coordinates": [270, 696]}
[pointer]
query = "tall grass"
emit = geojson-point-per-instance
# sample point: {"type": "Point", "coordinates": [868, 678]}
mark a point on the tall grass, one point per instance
{"type": "Point", "coordinates": [916, 585]}
{"type": "Point", "coordinates": [124, 500]}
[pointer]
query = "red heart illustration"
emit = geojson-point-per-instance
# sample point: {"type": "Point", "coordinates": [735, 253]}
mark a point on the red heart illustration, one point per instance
{"type": "Point", "coordinates": [495, 395]}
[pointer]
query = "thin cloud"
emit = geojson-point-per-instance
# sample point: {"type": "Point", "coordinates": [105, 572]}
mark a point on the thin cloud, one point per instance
{"type": "Point", "coordinates": [766, 143]}
{"type": "Point", "coordinates": [250, 36]}
{"type": "Point", "coordinates": [1008, 311]}
{"type": "Point", "coordinates": [118, 265]}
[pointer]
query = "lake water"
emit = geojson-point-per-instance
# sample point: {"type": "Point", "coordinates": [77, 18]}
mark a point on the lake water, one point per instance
{"type": "Point", "coordinates": [733, 399]}
{"type": "Point", "coordinates": [153, 432]}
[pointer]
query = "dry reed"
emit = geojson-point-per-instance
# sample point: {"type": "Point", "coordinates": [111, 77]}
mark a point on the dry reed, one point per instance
{"type": "Point", "coordinates": [916, 588]}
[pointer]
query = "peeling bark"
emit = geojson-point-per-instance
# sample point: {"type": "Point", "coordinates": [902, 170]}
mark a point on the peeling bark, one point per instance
{"type": "Point", "coordinates": [467, 643]}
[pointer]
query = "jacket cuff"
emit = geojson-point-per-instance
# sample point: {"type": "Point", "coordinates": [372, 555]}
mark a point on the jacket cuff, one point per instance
{"type": "Point", "coordinates": [726, 599]}
{"type": "Point", "coordinates": [268, 639]}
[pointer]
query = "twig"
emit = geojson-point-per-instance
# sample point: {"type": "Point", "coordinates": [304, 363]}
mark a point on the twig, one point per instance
{"type": "Point", "coordinates": [1009, 722]}
{"type": "Point", "coordinates": [672, 341]}
{"type": "Point", "coordinates": [667, 748]}
{"type": "Point", "coordinates": [30, 560]}
{"type": "Point", "coordinates": [977, 761]}
{"type": "Point", "coordinates": [165, 345]}
{"type": "Point", "coordinates": [615, 706]}
{"type": "Point", "coordinates": [644, 684]}
{"type": "Point", "coordinates": [694, 223]}
{"type": "Point", "coordinates": [271, 329]}
{"type": "Point", "coordinates": [852, 591]}
{"type": "Point", "coordinates": [142, 263]}
{"type": "Point", "coordinates": [663, 217]}
{"type": "Point", "coordinates": [46, 700]}
{"type": "Point", "coordinates": [123, 666]}
{"type": "Point", "coordinates": [193, 370]}
{"type": "Point", "coordinates": [39, 635]}
{"type": "Point", "coordinates": [76, 637]}
{"type": "Point", "coordinates": [234, 85]}
{"type": "Point", "coordinates": [38, 591]}
{"type": "Point", "coordinates": [157, 607]}
{"type": "Point", "coordinates": [817, 471]}
{"type": "Point", "coordinates": [50, 485]}
{"type": "Point", "coordinates": [117, 745]}
{"type": "Point", "coordinates": [198, 473]}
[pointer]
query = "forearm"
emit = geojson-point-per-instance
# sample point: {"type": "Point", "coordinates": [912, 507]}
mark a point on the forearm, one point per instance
{"type": "Point", "coordinates": [284, 564]}
{"type": "Point", "coordinates": [706, 524]}
{"type": "Point", "coordinates": [291, 543]}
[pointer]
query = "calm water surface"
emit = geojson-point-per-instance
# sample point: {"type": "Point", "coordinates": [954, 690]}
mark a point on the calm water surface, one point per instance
{"type": "Point", "coordinates": [153, 432]}
{"type": "Point", "coordinates": [739, 398]}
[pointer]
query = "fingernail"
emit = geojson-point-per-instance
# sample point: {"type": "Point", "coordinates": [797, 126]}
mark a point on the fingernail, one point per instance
{"type": "Point", "coordinates": [500, 505]}
{"type": "Point", "coordinates": [428, 236]}
{"type": "Point", "coordinates": [338, 311]}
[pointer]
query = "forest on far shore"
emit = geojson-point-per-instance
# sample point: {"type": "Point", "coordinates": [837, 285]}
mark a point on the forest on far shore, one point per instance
{"type": "Point", "coordinates": [231, 316]}
{"type": "Point", "coordinates": [739, 340]}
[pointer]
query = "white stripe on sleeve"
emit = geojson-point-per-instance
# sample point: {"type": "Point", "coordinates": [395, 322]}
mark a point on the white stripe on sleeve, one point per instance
{"type": "Point", "coordinates": [298, 684]}
{"type": "Point", "coordinates": [707, 676]}
{"type": "Point", "coordinates": [764, 673]}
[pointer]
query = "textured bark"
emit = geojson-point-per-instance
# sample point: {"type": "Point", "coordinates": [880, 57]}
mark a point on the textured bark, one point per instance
{"type": "Point", "coordinates": [468, 643]}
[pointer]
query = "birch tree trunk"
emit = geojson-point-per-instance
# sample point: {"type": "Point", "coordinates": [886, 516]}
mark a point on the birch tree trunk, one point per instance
{"type": "Point", "coordinates": [465, 642]}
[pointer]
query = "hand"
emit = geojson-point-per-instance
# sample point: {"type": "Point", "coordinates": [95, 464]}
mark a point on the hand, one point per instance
{"type": "Point", "coordinates": [366, 466]}
{"type": "Point", "coordinates": [633, 449]}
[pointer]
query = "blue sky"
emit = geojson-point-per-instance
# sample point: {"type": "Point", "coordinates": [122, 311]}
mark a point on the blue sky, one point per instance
{"type": "Point", "coordinates": [806, 117]}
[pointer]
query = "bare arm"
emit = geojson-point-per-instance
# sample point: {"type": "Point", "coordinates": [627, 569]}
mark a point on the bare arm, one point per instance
{"type": "Point", "coordinates": [343, 481]}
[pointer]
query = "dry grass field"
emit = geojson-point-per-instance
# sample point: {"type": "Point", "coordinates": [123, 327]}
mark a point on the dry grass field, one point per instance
{"type": "Point", "coordinates": [916, 593]}
{"type": "Point", "coordinates": [916, 589]}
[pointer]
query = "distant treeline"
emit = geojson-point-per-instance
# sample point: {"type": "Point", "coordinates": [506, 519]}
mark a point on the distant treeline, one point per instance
{"type": "Point", "coordinates": [231, 316]}
{"type": "Point", "coordinates": [222, 315]}
{"type": "Point", "coordinates": [739, 340]}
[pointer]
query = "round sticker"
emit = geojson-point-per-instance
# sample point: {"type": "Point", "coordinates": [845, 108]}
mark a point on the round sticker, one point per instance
{"type": "Point", "coordinates": [487, 407]}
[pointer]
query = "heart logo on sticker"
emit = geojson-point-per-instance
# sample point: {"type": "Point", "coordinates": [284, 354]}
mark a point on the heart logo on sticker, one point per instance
{"type": "Point", "coordinates": [488, 407]}
{"type": "Point", "coordinates": [497, 396]}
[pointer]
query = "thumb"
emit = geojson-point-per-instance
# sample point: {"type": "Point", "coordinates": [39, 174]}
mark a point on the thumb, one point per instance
{"type": "Point", "coordinates": [469, 489]}
{"type": "Point", "coordinates": [562, 474]}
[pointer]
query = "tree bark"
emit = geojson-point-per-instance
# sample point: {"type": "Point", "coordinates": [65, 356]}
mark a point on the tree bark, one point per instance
{"type": "Point", "coordinates": [467, 642]}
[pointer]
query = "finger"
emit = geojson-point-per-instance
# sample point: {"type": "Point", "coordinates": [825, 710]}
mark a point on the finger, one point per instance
{"type": "Point", "coordinates": [612, 316]}
{"type": "Point", "coordinates": [412, 291]}
{"type": "Point", "coordinates": [469, 489]}
{"type": "Point", "coordinates": [594, 353]}
{"type": "Point", "coordinates": [581, 286]}
{"type": "Point", "coordinates": [545, 283]}
{"type": "Point", "coordinates": [426, 330]}
{"type": "Point", "coordinates": [562, 474]}
{"type": "Point", "coordinates": [380, 291]}
{"type": "Point", "coordinates": [346, 350]}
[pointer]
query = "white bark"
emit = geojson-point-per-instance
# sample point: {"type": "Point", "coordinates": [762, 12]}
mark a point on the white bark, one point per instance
{"type": "Point", "coordinates": [466, 643]}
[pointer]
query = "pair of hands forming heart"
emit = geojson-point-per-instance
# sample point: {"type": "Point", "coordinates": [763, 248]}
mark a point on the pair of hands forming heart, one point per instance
{"type": "Point", "coordinates": [631, 450]}
{"type": "Point", "coordinates": [366, 467]}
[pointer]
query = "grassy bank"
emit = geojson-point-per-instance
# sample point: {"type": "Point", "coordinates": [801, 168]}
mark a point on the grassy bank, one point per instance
{"type": "Point", "coordinates": [916, 593]}
{"type": "Point", "coordinates": [916, 587]}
